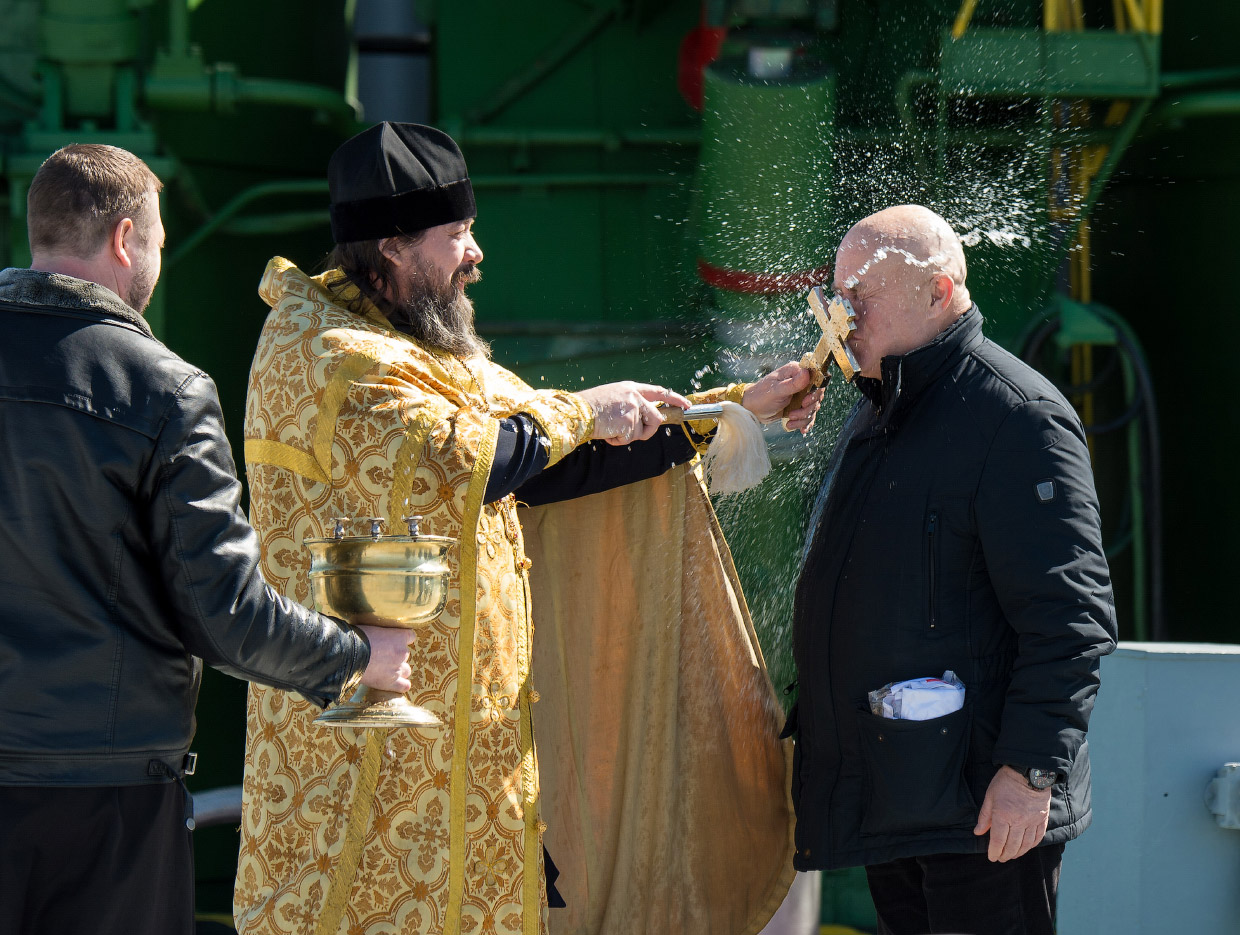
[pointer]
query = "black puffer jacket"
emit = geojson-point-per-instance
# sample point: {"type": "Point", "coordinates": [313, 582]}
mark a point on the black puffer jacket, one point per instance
{"type": "Point", "coordinates": [123, 556]}
{"type": "Point", "coordinates": [959, 530]}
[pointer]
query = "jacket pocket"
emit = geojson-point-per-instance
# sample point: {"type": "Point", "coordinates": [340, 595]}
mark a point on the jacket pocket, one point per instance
{"type": "Point", "coordinates": [916, 773]}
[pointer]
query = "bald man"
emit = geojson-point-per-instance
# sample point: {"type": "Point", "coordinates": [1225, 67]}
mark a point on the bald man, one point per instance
{"type": "Point", "coordinates": [957, 529]}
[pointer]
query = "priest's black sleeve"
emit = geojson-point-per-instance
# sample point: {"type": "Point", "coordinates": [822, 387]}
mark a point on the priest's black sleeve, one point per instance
{"type": "Point", "coordinates": [598, 466]}
{"type": "Point", "coordinates": [521, 452]}
{"type": "Point", "coordinates": [521, 455]}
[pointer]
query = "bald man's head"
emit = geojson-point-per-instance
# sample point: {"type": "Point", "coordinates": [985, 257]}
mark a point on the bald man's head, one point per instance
{"type": "Point", "coordinates": [904, 271]}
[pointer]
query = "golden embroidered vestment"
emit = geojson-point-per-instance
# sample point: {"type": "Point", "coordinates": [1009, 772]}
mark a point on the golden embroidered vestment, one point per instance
{"type": "Point", "coordinates": [432, 830]}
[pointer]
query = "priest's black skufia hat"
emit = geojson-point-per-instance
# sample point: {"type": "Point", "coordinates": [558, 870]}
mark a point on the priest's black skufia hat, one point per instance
{"type": "Point", "coordinates": [397, 178]}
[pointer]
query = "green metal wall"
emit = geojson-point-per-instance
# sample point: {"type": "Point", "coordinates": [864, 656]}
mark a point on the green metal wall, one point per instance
{"type": "Point", "coordinates": [583, 180]}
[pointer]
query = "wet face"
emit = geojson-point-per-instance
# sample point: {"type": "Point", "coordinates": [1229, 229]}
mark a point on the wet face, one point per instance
{"type": "Point", "coordinates": [899, 300]}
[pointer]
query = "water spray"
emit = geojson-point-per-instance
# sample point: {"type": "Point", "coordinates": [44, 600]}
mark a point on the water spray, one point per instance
{"type": "Point", "coordinates": [737, 458]}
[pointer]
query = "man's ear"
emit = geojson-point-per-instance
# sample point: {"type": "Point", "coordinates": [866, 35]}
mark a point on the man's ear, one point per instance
{"type": "Point", "coordinates": [123, 235]}
{"type": "Point", "coordinates": [943, 289]}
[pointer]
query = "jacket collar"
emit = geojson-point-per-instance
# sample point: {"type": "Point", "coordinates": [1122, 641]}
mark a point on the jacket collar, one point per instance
{"type": "Point", "coordinates": [906, 375]}
{"type": "Point", "coordinates": [56, 291]}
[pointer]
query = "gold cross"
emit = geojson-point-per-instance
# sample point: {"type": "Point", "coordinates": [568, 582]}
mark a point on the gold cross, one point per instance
{"type": "Point", "coordinates": [837, 320]}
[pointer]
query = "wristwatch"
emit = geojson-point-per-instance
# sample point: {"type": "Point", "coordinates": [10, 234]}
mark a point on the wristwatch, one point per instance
{"type": "Point", "coordinates": [1040, 778]}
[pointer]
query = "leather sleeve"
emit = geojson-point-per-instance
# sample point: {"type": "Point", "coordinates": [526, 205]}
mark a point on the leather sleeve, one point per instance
{"type": "Point", "coordinates": [208, 554]}
{"type": "Point", "coordinates": [1038, 519]}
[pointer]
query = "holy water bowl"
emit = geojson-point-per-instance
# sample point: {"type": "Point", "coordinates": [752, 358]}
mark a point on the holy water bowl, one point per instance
{"type": "Point", "coordinates": [382, 581]}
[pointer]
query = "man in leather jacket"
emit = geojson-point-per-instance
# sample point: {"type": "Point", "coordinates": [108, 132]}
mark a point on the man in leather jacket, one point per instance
{"type": "Point", "coordinates": [124, 564]}
{"type": "Point", "coordinates": [957, 529]}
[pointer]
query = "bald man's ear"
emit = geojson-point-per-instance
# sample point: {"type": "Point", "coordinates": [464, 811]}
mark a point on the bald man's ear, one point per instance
{"type": "Point", "coordinates": [943, 288]}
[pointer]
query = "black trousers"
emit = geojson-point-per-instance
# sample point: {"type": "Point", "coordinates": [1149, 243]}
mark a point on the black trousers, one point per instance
{"type": "Point", "coordinates": [114, 860]}
{"type": "Point", "coordinates": [966, 894]}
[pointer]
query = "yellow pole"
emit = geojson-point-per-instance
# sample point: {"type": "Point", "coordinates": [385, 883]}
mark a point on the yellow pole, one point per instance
{"type": "Point", "coordinates": [962, 18]}
{"type": "Point", "coordinates": [1134, 14]}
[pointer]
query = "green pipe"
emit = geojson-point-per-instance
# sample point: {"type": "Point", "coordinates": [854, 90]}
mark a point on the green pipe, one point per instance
{"type": "Point", "coordinates": [994, 136]}
{"type": "Point", "coordinates": [1140, 612]}
{"type": "Point", "coordinates": [178, 28]}
{"type": "Point", "coordinates": [279, 222]}
{"type": "Point", "coordinates": [1067, 136]}
{"type": "Point", "coordinates": [239, 201]}
{"type": "Point", "coordinates": [276, 222]}
{"type": "Point", "coordinates": [544, 65]}
{"type": "Point", "coordinates": [1174, 80]}
{"type": "Point", "coordinates": [576, 180]}
{"type": "Point", "coordinates": [1198, 104]}
{"type": "Point", "coordinates": [1116, 548]}
{"type": "Point", "coordinates": [222, 89]}
{"type": "Point", "coordinates": [564, 138]}
{"type": "Point", "coordinates": [296, 94]}
{"type": "Point", "coordinates": [1138, 536]}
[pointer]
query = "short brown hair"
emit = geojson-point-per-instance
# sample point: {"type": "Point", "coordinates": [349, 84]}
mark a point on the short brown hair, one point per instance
{"type": "Point", "coordinates": [79, 195]}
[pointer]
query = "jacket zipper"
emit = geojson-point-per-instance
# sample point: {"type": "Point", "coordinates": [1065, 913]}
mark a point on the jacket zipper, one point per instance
{"type": "Point", "coordinates": [931, 537]}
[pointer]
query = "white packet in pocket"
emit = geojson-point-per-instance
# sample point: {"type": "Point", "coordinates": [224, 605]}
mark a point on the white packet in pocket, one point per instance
{"type": "Point", "coordinates": [918, 699]}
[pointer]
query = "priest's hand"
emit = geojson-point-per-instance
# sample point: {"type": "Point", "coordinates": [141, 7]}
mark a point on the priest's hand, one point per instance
{"type": "Point", "coordinates": [1015, 814]}
{"type": "Point", "coordinates": [769, 397]}
{"type": "Point", "coordinates": [626, 412]}
{"type": "Point", "coordinates": [388, 669]}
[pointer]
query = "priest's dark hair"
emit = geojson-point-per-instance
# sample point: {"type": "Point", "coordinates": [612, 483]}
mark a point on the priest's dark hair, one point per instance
{"type": "Point", "coordinates": [368, 269]}
{"type": "Point", "coordinates": [79, 195]}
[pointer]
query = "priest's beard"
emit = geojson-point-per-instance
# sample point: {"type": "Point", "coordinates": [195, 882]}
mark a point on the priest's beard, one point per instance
{"type": "Point", "coordinates": [440, 315]}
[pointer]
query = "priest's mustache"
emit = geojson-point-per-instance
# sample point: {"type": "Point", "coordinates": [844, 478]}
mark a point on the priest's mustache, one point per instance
{"type": "Point", "coordinates": [466, 274]}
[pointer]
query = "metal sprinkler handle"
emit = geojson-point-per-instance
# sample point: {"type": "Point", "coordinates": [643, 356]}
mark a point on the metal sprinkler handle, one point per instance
{"type": "Point", "coordinates": [674, 415]}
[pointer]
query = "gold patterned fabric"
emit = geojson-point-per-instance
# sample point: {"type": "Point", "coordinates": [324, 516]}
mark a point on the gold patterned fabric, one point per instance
{"type": "Point", "coordinates": [407, 830]}
{"type": "Point", "coordinates": [664, 783]}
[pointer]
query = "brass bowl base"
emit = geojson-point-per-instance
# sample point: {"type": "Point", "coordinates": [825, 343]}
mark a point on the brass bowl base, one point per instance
{"type": "Point", "coordinates": [369, 708]}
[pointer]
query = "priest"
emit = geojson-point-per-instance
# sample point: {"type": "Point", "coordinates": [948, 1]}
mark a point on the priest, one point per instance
{"type": "Point", "coordinates": [659, 782]}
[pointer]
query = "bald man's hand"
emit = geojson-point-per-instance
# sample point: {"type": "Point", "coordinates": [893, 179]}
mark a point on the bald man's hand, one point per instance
{"type": "Point", "coordinates": [1015, 815]}
{"type": "Point", "coordinates": [769, 397]}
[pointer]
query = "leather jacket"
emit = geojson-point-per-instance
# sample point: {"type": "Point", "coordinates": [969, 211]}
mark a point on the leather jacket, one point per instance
{"type": "Point", "coordinates": [125, 561]}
